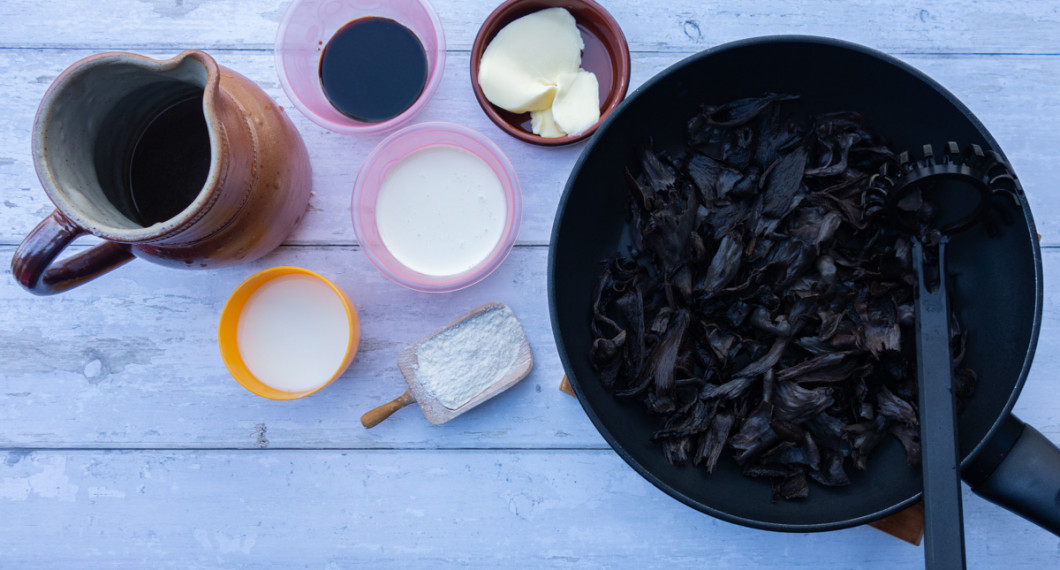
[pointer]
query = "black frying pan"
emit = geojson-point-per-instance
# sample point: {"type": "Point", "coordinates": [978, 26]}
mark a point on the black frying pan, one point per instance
{"type": "Point", "coordinates": [997, 284]}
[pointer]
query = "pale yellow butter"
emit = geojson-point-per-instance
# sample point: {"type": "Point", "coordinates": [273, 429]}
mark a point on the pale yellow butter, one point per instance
{"type": "Point", "coordinates": [542, 123]}
{"type": "Point", "coordinates": [577, 103]}
{"type": "Point", "coordinates": [521, 68]}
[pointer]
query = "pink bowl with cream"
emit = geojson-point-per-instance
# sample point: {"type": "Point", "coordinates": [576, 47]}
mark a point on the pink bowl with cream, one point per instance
{"type": "Point", "coordinates": [442, 208]}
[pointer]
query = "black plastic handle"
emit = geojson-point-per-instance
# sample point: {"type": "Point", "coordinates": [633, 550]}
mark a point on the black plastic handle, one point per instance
{"type": "Point", "coordinates": [1026, 481]}
{"type": "Point", "coordinates": [943, 513]}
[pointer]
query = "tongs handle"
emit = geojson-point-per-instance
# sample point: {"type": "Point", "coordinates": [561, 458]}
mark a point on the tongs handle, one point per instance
{"type": "Point", "coordinates": [943, 516]}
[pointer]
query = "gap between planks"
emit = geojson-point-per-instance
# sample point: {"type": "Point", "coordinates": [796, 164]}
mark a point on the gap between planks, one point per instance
{"type": "Point", "coordinates": [269, 48]}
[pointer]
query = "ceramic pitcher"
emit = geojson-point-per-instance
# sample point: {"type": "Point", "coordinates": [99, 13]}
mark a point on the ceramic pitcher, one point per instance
{"type": "Point", "coordinates": [255, 173]}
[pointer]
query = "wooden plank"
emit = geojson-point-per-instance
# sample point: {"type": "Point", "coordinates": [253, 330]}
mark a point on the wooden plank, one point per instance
{"type": "Point", "coordinates": [331, 509]}
{"type": "Point", "coordinates": [162, 460]}
{"type": "Point", "coordinates": [950, 26]}
{"type": "Point", "coordinates": [131, 361]}
{"type": "Point", "coordinates": [336, 159]}
{"type": "Point", "coordinates": [1014, 96]}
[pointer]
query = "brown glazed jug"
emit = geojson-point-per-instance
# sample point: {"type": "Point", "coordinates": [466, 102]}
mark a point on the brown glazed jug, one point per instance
{"type": "Point", "coordinates": [124, 152]}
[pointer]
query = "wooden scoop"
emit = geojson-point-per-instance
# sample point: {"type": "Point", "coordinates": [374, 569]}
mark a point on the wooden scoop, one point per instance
{"type": "Point", "coordinates": [434, 410]}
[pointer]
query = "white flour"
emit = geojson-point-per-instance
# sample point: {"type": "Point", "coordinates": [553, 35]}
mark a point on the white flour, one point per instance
{"type": "Point", "coordinates": [461, 362]}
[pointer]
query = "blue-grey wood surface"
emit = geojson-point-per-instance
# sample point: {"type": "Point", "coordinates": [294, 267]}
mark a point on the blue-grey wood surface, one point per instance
{"type": "Point", "coordinates": [124, 442]}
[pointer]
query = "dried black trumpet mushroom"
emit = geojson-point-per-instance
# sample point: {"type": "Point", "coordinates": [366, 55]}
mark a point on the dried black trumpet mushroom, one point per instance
{"type": "Point", "coordinates": [765, 308]}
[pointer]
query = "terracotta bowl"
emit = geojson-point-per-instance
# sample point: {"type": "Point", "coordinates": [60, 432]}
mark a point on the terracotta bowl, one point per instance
{"type": "Point", "coordinates": [606, 54]}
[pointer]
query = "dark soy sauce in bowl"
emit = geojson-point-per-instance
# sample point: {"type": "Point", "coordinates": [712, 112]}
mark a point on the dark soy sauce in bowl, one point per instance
{"type": "Point", "coordinates": [373, 69]}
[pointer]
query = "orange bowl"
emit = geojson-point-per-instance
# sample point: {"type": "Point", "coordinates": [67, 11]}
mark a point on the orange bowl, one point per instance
{"type": "Point", "coordinates": [228, 332]}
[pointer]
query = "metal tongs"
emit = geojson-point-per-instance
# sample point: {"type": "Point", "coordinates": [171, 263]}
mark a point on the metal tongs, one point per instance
{"type": "Point", "coordinates": [943, 517]}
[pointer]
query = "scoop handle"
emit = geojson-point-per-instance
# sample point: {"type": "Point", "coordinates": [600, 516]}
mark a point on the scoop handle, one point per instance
{"type": "Point", "coordinates": [373, 417]}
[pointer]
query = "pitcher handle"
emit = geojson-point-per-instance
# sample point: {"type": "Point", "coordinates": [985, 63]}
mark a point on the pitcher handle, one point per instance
{"type": "Point", "coordinates": [34, 265]}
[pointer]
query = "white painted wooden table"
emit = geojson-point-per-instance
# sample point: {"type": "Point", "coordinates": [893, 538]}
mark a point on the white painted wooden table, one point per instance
{"type": "Point", "coordinates": [124, 442]}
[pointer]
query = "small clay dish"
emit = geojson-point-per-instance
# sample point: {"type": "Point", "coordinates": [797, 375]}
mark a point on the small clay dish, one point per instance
{"type": "Point", "coordinates": [606, 54]}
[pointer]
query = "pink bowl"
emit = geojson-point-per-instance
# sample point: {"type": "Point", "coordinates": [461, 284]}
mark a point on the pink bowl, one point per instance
{"type": "Point", "coordinates": [388, 154]}
{"type": "Point", "coordinates": [306, 28]}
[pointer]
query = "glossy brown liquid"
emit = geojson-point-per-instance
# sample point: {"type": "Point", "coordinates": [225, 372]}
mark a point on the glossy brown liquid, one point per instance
{"type": "Point", "coordinates": [373, 69]}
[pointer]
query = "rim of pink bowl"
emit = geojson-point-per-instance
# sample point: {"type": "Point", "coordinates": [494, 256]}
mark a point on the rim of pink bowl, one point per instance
{"type": "Point", "coordinates": [346, 125]}
{"type": "Point", "coordinates": [379, 162]}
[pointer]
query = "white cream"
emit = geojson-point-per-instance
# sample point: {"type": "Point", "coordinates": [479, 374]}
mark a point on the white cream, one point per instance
{"type": "Point", "coordinates": [440, 211]}
{"type": "Point", "coordinates": [534, 64]}
{"type": "Point", "coordinates": [293, 333]}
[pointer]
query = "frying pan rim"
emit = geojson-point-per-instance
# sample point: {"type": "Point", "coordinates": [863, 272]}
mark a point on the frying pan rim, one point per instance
{"type": "Point", "coordinates": [555, 321]}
